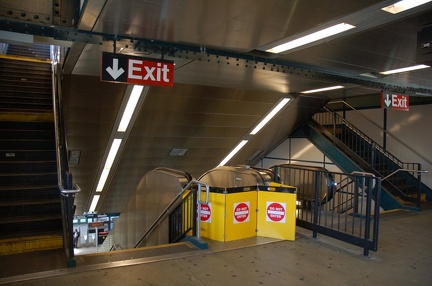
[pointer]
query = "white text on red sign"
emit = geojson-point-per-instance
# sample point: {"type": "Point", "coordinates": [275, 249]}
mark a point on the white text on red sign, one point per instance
{"type": "Point", "coordinates": [276, 212]}
{"type": "Point", "coordinates": [145, 72]}
{"type": "Point", "coordinates": [395, 101]}
{"type": "Point", "coordinates": [136, 70]}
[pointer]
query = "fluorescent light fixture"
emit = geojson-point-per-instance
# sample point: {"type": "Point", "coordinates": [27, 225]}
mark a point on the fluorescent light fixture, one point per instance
{"type": "Point", "coordinates": [112, 153]}
{"type": "Point", "coordinates": [94, 203]}
{"type": "Point", "coordinates": [233, 152]}
{"type": "Point", "coordinates": [102, 180]}
{"type": "Point", "coordinates": [323, 89]}
{"type": "Point", "coordinates": [407, 69]}
{"type": "Point", "coordinates": [269, 116]}
{"type": "Point", "coordinates": [327, 32]}
{"type": "Point", "coordinates": [404, 5]}
{"type": "Point", "coordinates": [130, 107]}
{"type": "Point", "coordinates": [108, 164]}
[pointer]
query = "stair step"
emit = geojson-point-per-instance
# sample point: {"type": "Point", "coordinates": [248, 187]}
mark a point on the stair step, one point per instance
{"type": "Point", "coordinates": [24, 64]}
{"type": "Point", "coordinates": [27, 134]}
{"type": "Point", "coordinates": [24, 82]}
{"type": "Point", "coordinates": [31, 242]}
{"type": "Point", "coordinates": [26, 125]}
{"type": "Point", "coordinates": [16, 73]}
{"type": "Point", "coordinates": [26, 167]}
{"type": "Point", "coordinates": [33, 224]}
{"type": "Point", "coordinates": [27, 144]}
{"type": "Point", "coordinates": [16, 193]}
{"type": "Point", "coordinates": [28, 179]}
{"type": "Point", "coordinates": [26, 116]}
{"type": "Point", "coordinates": [30, 155]}
{"type": "Point", "coordinates": [28, 95]}
{"type": "Point", "coordinates": [36, 51]}
{"type": "Point", "coordinates": [21, 208]}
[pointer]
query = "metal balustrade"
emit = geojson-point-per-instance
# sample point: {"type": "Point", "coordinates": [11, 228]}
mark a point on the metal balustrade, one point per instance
{"type": "Point", "coordinates": [339, 205]}
{"type": "Point", "coordinates": [406, 185]}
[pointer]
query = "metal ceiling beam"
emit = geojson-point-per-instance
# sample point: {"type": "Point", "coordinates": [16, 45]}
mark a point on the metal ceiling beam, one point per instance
{"type": "Point", "coordinates": [89, 16]}
{"type": "Point", "coordinates": [255, 59]}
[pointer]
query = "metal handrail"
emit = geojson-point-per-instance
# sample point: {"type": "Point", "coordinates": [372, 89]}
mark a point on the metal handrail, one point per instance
{"type": "Point", "coordinates": [406, 170]}
{"type": "Point", "coordinates": [383, 130]}
{"type": "Point", "coordinates": [67, 192]}
{"type": "Point", "coordinates": [60, 146]}
{"type": "Point", "coordinates": [170, 205]}
{"type": "Point", "coordinates": [76, 189]}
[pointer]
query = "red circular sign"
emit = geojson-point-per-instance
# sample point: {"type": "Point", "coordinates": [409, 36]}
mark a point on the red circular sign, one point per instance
{"type": "Point", "coordinates": [205, 212]}
{"type": "Point", "coordinates": [241, 212]}
{"type": "Point", "coordinates": [275, 212]}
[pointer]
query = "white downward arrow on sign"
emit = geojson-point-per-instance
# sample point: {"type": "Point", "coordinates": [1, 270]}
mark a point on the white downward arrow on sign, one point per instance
{"type": "Point", "coordinates": [115, 72]}
{"type": "Point", "coordinates": [387, 101]}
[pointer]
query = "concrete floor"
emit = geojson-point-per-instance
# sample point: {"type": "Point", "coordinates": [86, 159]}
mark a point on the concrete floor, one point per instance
{"type": "Point", "coordinates": [404, 257]}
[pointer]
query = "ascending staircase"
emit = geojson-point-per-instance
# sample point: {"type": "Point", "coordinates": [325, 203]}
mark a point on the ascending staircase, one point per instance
{"type": "Point", "coordinates": [402, 187]}
{"type": "Point", "coordinates": [30, 207]}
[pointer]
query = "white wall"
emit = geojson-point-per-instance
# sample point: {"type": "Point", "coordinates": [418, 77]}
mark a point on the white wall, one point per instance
{"type": "Point", "coordinates": [413, 127]}
{"type": "Point", "coordinates": [297, 151]}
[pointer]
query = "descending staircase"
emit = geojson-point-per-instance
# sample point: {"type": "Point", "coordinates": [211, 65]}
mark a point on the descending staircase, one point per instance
{"type": "Point", "coordinates": [30, 206]}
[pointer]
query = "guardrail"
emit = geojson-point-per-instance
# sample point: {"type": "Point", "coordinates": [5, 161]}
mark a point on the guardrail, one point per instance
{"type": "Point", "coordinates": [408, 186]}
{"type": "Point", "coordinates": [345, 207]}
{"type": "Point", "coordinates": [177, 202]}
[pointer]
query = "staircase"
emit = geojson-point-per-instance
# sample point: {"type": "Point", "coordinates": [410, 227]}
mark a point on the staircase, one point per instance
{"type": "Point", "coordinates": [30, 206]}
{"type": "Point", "coordinates": [400, 179]}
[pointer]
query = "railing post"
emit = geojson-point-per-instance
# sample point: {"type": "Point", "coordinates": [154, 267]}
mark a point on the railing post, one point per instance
{"type": "Point", "coordinates": [419, 185]}
{"type": "Point", "coordinates": [356, 195]}
{"type": "Point", "coordinates": [316, 203]}
{"type": "Point", "coordinates": [196, 206]}
{"type": "Point", "coordinates": [377, 188]}
{"type": "Point", "coordinates": [69, 218]}
{"type": "Point", "coordinates": [367, 187]}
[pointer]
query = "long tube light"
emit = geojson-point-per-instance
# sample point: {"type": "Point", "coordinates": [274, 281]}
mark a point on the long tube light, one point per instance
{"type": "Point", "coordinates": [233, 152]}
{"type": "Point", "coordinates": [319, 35]}
{"type": "Point", "coordinates": [323, 89]}
{"type": "Point", "coordinates": [126, 117]}
{"type": "Point", "coordinates": [403, 5]}
{"type": "Point", "coordinates": [94, 203]}
{"type": "Point", "coordinates": [108, 164]}
{"type": "Point", "coordinates": [269, 116]}
{"type": "Point", "coordinates": [130, 107]}
{"type": "Point", "coordinates": [260, 125]}
{"type": "Point", "coordinates": [407, 69]}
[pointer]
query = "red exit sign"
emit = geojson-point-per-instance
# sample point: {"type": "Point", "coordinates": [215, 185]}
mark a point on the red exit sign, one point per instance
{"type": "Point", "coordinates": [394, 101]}
{"type": "Point", "coordinates": [136, 70]}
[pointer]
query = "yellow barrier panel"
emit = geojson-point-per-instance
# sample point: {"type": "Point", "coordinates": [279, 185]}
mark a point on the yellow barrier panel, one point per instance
{"type": "Point", "coordinates": [213, 217]}
{"type": "Point", "coordinates": [276, 217]}
{"type": "Point", "coordinates": [241, 216]}
{"type": "Point", "coordinates": [234, 215]}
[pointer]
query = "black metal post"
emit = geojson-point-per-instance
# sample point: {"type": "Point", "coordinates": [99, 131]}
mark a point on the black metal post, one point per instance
{"type": "Point", "coordinates": [194, 210]}
{"type": "Point", "coordinates": [316, 203]}
{"type": "Point", "coordinates": [368, 187]}
{"type": "Point", "coordinates": [419, 185]}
